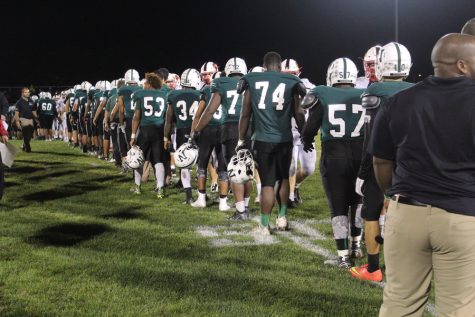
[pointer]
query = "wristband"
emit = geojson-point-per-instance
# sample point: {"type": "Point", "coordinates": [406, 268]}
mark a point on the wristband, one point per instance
{"type": "Point", "coordinates": [132, 136]}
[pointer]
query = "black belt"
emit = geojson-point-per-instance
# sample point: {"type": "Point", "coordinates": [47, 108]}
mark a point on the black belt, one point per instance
{"type": "Point", "coordinates": [408, 201]}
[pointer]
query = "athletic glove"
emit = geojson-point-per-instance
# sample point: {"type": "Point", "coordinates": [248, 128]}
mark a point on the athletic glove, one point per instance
{"type": "Point", "coordinates": [195, 136]}
{"type": "Point", "coordinates": [359, 186]}
{"type": "Point", "coordinates": [307, 146]}
{"type": "Point", "coordinates": [240, 145]}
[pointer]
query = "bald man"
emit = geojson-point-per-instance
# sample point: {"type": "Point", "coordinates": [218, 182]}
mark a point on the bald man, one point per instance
{"type": "Point", "coordinates": [424, 159]}
{"type": "Point", "coordinates": [469, 27]}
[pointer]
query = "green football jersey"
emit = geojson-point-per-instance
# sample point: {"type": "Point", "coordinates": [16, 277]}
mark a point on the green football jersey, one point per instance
{"type": "Point", "coordinates": [111, 100]}
{"type": "Point", "coordinates": [231, 101]}
{"type": "Point", "coordinates": [46, 107]}
{"type": "Point", "coordinates": [271, 98]}
{"type": "Point", "coordinates": [218, 116]}
{"type": "Point", "coordinates": [96, 101]}
{"type": "Point", "coordinates": [70, 96]}
{"type": "Point", "coordinates": [165, 88]}
{"type": "Point", "coordinates": [126, 93]}
{"type": "Point", "coordinates": [81, 98]}
{"type": "Point", "coordinates": [343, 115]}
{"type": "Point", "coordinates": [384, 90]}
{"type": "Point", "coordinates": [152, 103]}
{"type": "Point", "coordinates": [185, 103]}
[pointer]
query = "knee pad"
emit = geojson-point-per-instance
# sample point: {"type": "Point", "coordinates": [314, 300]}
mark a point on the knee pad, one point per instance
{"type": "Point", "coordinates": [202, 172]}
{"type": "Point", "coordinates": [340, 227]}
{"type": "Point", "coordinates": [223, 176]}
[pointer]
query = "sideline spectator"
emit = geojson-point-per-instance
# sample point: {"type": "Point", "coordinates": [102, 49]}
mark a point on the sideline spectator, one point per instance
{"type": "Point", "coordinates": [25, 111]}
{"type": "Point", "coordinates": [424, 158]}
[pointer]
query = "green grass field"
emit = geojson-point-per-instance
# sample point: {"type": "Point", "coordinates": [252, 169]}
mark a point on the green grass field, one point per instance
{"type": "Point", "coordinates": [75, 242]}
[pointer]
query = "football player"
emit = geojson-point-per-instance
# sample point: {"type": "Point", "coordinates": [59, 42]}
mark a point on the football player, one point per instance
{"type": "Point", "coordinates": [210, 140]}
{"type": "Point", "coordinates": [80, 100]}
{"type": "Point", "coordinates": [272, 98]}
{"type": "Point", "coordinates": [336, 110]}
{"type": "Point", "coordinates": [150, 107]}
{"type": "Point", "coordinates": [182, 105]}
{"type": "Point", "coordinates": [392, 67]}
{"type": "Point", "coordinates": [47, 113]}
{"type": "Point", "coordinates": [126, 108]}
{"type": "Point", "coordinates": [225, 96]}
{"type": "Point", "coordinates": [101, 100]}
{"type": "Point", "coordinates": [308, 159]}
{"type": "Point", "coordinates": [111, 122]}
{"type": "Point", "coordinates": [369, 64]}
{"type": "Point", "coordinates": [70, 120]}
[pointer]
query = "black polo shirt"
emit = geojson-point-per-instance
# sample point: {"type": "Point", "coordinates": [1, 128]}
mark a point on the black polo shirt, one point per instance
{"type": "Point", "coordinates": [429, 131]}
{"type": "Point", "coordinates": [25, 108]}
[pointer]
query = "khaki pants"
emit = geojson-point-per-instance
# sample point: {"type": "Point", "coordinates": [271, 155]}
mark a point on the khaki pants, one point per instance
{"type": "Point", "coordinates": [425, 242]}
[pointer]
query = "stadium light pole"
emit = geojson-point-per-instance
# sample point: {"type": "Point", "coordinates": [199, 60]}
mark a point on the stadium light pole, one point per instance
{"type": "Point", "coordinates": [396, 20]}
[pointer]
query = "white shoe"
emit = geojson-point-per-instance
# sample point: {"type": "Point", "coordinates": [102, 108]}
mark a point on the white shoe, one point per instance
{"type": "Point", "coordinates": [224, 207]}
{"type": "Point", "coordinates": [199, 203]}
{"type": "Point", "coordinates": [281, 223]}
{"type": "Point", "coordinates": [265, 231]}
{"type": "Point", "coordinates": [258, 199]}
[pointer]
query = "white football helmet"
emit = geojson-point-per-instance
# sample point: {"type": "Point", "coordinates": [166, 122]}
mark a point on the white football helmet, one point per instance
{"type": "Point", "coordinates": [104, 85]}
{"type": "Point", "coordinates": [85, 85]}
{"type": "Point", "coordinates": [35, 97]}
{"type": "Point", "coordinates": [132, 77]}
{"type": "Point", "coordinates": [394, 61]}
{"type": "Point", "coordinates": [76, 88]}
{"type": "Point", "coordinates": [47, 95]}
{"type": "Point", "coordinates": [257, 69]}
{"type": "Point", "coordinates": [97, 86]}
{"type": "Point", "coordinates": [290, 66]}
{"type": "Point", "coordinates": [369, 60]}
{"type": "Point", "coordinates": [134, 158]}
{"type": "Point", "coordinates": [41, 95]}
{"type": "Point", "coordinates": [186, 155]}
{"type": "Point", "coordinates": [173, 81]}
{"type": "Point", "coordinates": [208, 68]}
{"type": "Point", "coordinates": [241, 167]}
{"type": "Point", "coordinates": [235, 65]}
{"type": "Point", "coordinates": [191, 78]}
{"type": "Point", "coordinates": [342, 71]}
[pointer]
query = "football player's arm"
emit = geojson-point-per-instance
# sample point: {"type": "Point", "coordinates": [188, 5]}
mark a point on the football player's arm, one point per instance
{"type": "Point", "coordinates": [168, 126]}
{"type": "Point", "coordinates": [213, 105]}
{"type": "Point", "coordinates": [135, 125]}
{"type": "Point", "coordinates": [368, 102]}
{"type": "Point", "coordinates": [99, 111]}
{"type": "Point", "coordinates": [75, 106]}
{"type": "Point", "coordinates": [88, 107]}
{"type": "Point", "coordinates": [383, 172]}
{"type": "Point", "coordinates": [199, 111]}
{"type": "Point", "coordinates": [313, 124]}
{"type": "Point", "coordinates": [246, 111]}
{"type": "Point", "coordinates": [299, 113]}
{"type": "Point", "coordinates": [121, 109]}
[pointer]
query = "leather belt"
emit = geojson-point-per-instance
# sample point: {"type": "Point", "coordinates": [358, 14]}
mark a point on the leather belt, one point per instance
{"type": "Point", "coordinates": [408, 201]}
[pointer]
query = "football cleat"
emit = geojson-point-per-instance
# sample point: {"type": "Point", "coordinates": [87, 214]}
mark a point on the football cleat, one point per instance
{"type": "Point", "coordinates": [291, 204]}
{"type": "Point", "coordinates": [224, 207]}
{"type": "Point", "coordinates": [199, 203]}
{"type": "Point", "coordinates": [265, 231]}
{"type": "Point", "coordinates": [298, 199]}
{"type": "Point", "coordinates": [137, 190]}
{"type": "Point", "coordinates": [240, 216]}
{"type": "Point", "coordinates": [281, 223]}
{"type": "Point", "coordinates": [363, 274]}
{"type": "Point", "coordinates": [344, 262]}
{"type": "Point", "coordinates": [160, 193]}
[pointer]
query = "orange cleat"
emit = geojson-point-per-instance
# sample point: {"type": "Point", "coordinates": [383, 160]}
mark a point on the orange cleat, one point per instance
{"type": "Point", "coordinates": [363, 274]}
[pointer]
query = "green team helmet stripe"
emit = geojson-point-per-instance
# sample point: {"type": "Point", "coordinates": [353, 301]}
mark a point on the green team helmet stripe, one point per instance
{"type": "Point", "coordinates": [344, 68]}
{"type": "Point", "coordinates": [398, 57]}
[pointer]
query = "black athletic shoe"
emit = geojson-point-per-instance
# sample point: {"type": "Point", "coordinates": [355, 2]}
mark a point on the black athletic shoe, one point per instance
{"type": "Point", "coordinates": [298, 198]}
{"type": "Point", "coordinates": [239, 216]}
{"type": "Point", "coordinates": [291, 204]}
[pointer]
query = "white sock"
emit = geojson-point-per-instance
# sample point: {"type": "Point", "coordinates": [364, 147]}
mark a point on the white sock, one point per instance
{"type": "Point", "coordinates": [258, 187]}
{"type": "Point", "coordinates": [201, 196]}
{"type": "Point", "coordinates": [137, 178]}
{"type": "Point", "coordinates": [223, 201]}
{"type": "Point", "coordinates": [240, 206]}
{"type": "Point", "coordinates": [246, 201]}
{"type": "Point", "coordinates": [160, 174]}
{"type": "Point", "coordinates": [185, 177]}
{"type": "Point", "coordinates": [291, 196]}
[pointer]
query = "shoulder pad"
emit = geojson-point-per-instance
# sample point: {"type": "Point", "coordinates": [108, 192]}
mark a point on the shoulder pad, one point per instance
{"type": "Point", "coordinates": [301, 89]}
{"type": "Point", "coordinates": [309, 101]}
{"type": "Point", "coordinates": [370, 102]}
{"type": "Point", "coordinates": [242, 86]}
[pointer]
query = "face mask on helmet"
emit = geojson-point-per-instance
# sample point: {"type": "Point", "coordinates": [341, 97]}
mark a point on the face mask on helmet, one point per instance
{"type": "Point", "coordinates": [342, 71]}
{"type": "Point", "coordinates": [394, 61]}
{"type": "Point", "coordinates": [190, 78]}
{"type": "Point", "coordinates": [241, 167]}
{"type": "Point", "coordinates": [235, 65]}
{"type": "Point", "coordinates": [132, 77]}
{"type": "Point", "coordinates": [369, 62]}
{"type": "Point", "coordinates": [173, 81]}
{"type": "Point", "coordinates": [290, 66]}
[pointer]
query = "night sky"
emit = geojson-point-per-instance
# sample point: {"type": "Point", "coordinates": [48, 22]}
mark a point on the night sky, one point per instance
{"type": "Point", "coordinates": [66, 42]}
